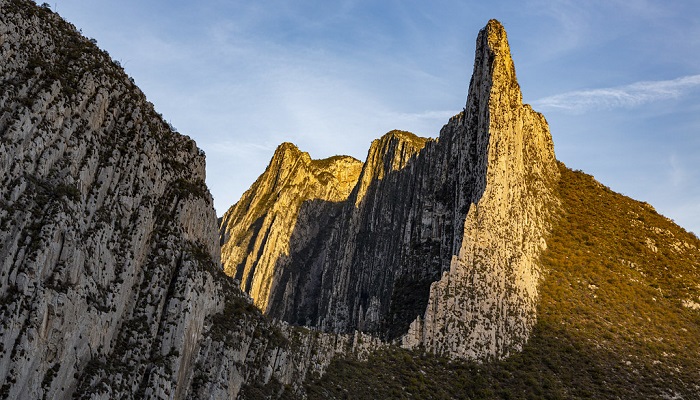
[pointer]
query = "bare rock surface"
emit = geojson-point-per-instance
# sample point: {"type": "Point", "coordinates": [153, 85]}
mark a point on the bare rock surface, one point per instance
{"type": "Point", "coordinates": [484, 306]}
{"type": "Point", "coordinates": [113, 268]}
{"type": "Point", "coordinates": [436, 245]}
{"type": "Point", "coordinates": [110, 276]}
{"type": "Point", "coordinates": [256, 232]}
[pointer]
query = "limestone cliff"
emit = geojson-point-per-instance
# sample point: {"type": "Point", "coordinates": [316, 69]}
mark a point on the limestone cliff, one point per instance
{"type": "Point", "coordinates": [111, 284]}
{"type": "Point", "coordinates": [110, 281]}
{"type": "Point", "coordinates": [256, 232]}
{"type": "Point", "coordinates": [106, 222]}
{"type": "Point", "coordinates": [437, 244]}
{"type": "Point", "coordinates": [484, 306]}
{"type": "Point", "coordinates": [339, 279]}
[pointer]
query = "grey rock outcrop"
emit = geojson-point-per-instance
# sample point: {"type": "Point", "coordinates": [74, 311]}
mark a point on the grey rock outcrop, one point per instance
{"type": "Point", "coordinates": [110, 279]}
{"type": "Point", "coordinates": [107, 223]}
{"type": "Point", "coordinates": [111, 283]}
{"type": "Point", "coordinates": [437, 244]}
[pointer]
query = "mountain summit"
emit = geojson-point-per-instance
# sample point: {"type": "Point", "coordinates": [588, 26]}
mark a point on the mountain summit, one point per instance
{"type": "Point", "coordinates": [437, 243]}
{"type": "Point", "coordinates": [479, 245]}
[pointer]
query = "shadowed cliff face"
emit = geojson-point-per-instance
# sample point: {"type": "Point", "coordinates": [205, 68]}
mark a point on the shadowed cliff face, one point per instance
{"type": "Point", "coordinates": [110, 281]}
{"type": "Point", "coordinates": [255, 233]}
{"type": "Point", "coordinates": [106, 221]}
{"type": "Point", "coordinates": [437, 236]}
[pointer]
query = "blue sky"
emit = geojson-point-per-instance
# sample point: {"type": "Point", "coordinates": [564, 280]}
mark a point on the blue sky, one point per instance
{"type": "Point", "coordinates": [618, 81]}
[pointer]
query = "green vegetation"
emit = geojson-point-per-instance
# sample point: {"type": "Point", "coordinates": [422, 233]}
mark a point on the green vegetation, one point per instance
{"type": "Point", "coordinates": [611, 317]}
{"type": "Point", "coordinates": [272, 390]}
{"type": "Point", "coordinates": [49, 376]}
{"type": "Point", "coordinates": [185, 188]}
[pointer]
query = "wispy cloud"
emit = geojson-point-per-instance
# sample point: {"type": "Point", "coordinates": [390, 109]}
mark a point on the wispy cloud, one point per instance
{"type": "Point", "coordinates": [627, 96]}
{"type": "Point", "coordinates": [677, 173]}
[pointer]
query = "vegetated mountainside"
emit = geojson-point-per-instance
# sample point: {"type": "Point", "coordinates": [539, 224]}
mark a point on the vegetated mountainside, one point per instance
{"type": "Point", "coordinates": [110, 280]}
{"type": "Point", "coordinates": [436, 244]}
{"type": "Point", "coordinates": [618, 317]}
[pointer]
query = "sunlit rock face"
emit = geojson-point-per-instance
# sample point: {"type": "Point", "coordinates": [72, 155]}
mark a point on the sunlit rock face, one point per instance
{"type": "Point", "coordinates": [484, 306]}
{"type": "Point", "coordinates": [435, 245]}
{"type": "Point", "coordinates": [256, 232]}
{"type": "Point", "coordinates": [111, 283]}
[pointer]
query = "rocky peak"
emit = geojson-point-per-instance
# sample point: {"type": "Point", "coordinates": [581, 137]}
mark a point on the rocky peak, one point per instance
{"type": "Point", "coordinates": [490, 290]}
{"type": "Point", "coordinates": [389, 153]}
{"type": "Point", "coordinates": [442, 233]}
{"type": "Point", "coordinates": [336, 174]}
{"type": "Point", "coordinates": [109, 268]}
{"type": "Point", "coordinates": [256, 231]}
{"type": "Point", "coordinates": [286, 154]}
{"type": "Point", "coordinates": [494, 72]}
{"type": "Point", "coordinates": [494, 65]}
{"type": "Point", "coordinates": [392, 152]}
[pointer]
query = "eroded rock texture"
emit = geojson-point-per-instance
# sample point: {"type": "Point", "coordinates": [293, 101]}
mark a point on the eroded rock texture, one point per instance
{"type": "Point", "coordinates": [256, 232]}
{"type": "Point", "coordinates": [484, 306]}
{"type": "Point", "coordinates": [437, 243]}
{"type": "Point", "coordinates": [110, 280]}
{"type": "Point", "coordinates": [110, 277]}
{"type": "Point", "coordinates": [106, 220]}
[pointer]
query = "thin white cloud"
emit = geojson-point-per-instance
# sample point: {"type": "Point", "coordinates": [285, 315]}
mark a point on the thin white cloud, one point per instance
{"type": "Point", "coordinates": [627, 96]}
{"type": "Point", "coordinates": [677, 174]}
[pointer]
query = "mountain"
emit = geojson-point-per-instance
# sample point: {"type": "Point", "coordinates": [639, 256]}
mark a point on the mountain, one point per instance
{"type": "Point", "coordinates": [436, 244]}
{"type": "Point", "coordinates": [496, 270]}
{"type": "Point", "coordinates": [618, 317]}
{"type": "Point", "coordinates": [473, 265]}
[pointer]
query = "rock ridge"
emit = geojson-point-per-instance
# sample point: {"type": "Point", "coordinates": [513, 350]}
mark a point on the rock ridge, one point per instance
{"type": "Point", "coordinates": [491, 285]}
{"type": "Point", "coordinates": [111, 284]}
{"type": "Point", "coordinates": [257, 229]}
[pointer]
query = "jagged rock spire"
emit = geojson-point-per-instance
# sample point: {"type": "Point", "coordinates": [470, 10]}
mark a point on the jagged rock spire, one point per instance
{"type": "Point", "coordinates": [493, 63]}
{"type": "Point", "coordinates": [484, 307]}
{"type": "Point", "coordinates": [256, 232]}
{"type": "Point", "coordinates": [442, 233]}
{"type": "Point", "coordinates": [493, 83]}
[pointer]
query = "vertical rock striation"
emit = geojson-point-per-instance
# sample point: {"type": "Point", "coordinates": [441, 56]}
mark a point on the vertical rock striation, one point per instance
{"type": "Point", "coordinates": [484, 306]}
{"type": "Point", "coordinates": [110, 280]}
{"type": "Point", "coordinates": [437, 244]}
{"type": "Point", "coordinates": [256, 232]}
{"type": "Point", "coordinates": [107, 223]}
